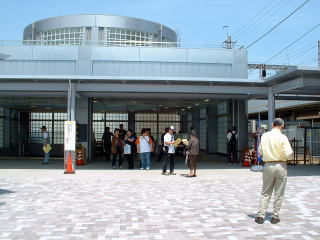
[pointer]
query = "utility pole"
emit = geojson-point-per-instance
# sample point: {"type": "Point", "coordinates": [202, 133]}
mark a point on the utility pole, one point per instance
{"type": "Point", "coordinates": [318, 53]}
{"type": "Point", "coordinates": [228, 44]}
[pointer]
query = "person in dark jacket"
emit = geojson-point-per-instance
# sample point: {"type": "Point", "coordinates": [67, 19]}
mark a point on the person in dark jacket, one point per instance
{"type": "Point", "coordinates": [129, 148]}
{"type": "Point", "coordinates": [116, 148]}
{"type": "Point", "coordinates": [106, 139]}
{"type": "Point", "coordinates": [232, 142]}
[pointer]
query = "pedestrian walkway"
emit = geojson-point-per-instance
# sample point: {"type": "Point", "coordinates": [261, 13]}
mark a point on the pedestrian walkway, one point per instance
{"type": "Point", "coordinates": [95, 203]}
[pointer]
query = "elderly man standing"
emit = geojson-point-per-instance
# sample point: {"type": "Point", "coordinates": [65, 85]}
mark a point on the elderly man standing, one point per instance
{"type": "Point", "coordinates": [275, 150]}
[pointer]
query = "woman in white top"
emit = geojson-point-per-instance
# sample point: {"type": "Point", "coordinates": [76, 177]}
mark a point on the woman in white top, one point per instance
{"type": "Point", "coordinates": [144, 147]}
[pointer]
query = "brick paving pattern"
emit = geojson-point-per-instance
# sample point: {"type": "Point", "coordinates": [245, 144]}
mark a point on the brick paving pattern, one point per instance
{"type": "Point", "coordinates": [163, 207]}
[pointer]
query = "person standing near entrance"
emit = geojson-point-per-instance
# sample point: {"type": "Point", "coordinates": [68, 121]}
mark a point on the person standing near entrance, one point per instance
{"type": "Point", "coordinates": [169, 150]}
{"type": "Point", "coordinates": [161, 152]}
{"type": "Point", "coordinates": [232, 142]}
{"type": "Point", "coordinates": [193, 153]}
{"type": "Point", "coordinates": [106, 139]}
{"type": "Point", "coordinates": [128, 150]}
{"type": "Point", "coordinates": [116, 148]}
{"type": "Point", "coordinates": [45, 141]}
{"type": "Point", "coordinates": [144, 147]}
{"type": "Point", "coordinates": [122, 131]}
{"type": "Point", "coordinates": [275, 151]}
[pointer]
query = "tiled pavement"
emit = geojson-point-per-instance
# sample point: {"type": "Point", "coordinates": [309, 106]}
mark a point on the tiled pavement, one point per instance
{"type": "Point", "coordinates": [219, 204]}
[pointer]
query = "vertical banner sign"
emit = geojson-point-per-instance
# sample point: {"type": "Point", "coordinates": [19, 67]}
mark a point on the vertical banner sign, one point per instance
{"type": "Point", "coordinates": [69, 135]}
{"type": "Point", "coordinates": [69, 146]}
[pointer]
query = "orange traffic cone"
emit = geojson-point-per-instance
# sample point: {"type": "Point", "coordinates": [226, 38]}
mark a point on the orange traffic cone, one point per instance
{"type": "Point", "coordinates": [246, 162]}
{"type": "Point", "coordinates": [254, 158]}
{"type": "Point", "coordinates": [80, 160]}
{"type": "Point", "coordinates": [69, 169]}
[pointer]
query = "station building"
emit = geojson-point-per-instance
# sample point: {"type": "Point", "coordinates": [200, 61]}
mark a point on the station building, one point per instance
{"type": "Point", "coordinates": [104, 70]}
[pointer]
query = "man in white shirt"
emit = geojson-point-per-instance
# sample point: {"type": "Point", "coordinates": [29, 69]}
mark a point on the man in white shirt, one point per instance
{"type": "Point", "coordinates": [169, 150]}
{"type": "Point", "coordinates": [275, 150]}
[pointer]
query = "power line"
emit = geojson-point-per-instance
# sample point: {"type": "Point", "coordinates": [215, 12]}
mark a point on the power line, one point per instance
{"type": "Point", "coordinates": [297, 53]}
{"type": "Point", "coordinates": [246, 6]}
{"type": "Point", "coordinates": [309, 62]}
{"type": "Point", "coordinates": [274, 9]}
{"type": "Point", "coordinates": [293, 42]}
{"type": "Point", "coordinates": [278, 24]}
{"type": "Point", "coordinates": [251, 19]}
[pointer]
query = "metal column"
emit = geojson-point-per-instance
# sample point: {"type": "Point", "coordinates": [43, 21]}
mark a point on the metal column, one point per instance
{"type": "Point", "coordinates": [271, 107]}
{"type": "Point", "coordinates": [70, 132]}
{"type": "Point", "coordinates": [90, 126]}
{"type": "Point", "coordinates": [71, 102]}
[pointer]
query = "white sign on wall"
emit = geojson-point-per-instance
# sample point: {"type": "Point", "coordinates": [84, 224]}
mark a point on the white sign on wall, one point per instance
{"type": "Point", "coordinates": [69, 135]}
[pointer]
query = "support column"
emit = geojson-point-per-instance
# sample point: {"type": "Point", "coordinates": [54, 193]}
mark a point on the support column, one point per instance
{"type": "Point", "coordinates": [71, 102]}
{"type": "Point", "coordinates": [271, 108]}
{"type": "Point", "coordinates": [196, 121]}
{"type": "Point", "coordinates": [242, 123]}
{"type": "Point", "coordinates": [131, 121]}
{"type": "Point", "coordinates": [184, 122]}
{"type": "Point", "coordinates": [82, 113]}
{"type": "Point", "coordinates": [212, 129]}
{"type": "Point", "coordinates": [89, 130]}
{"type": "Point", "coordinates": [70, 132]}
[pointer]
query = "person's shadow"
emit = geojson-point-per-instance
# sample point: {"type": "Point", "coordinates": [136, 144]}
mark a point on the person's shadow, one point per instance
{"type": "Point", "coordinates": [268, 216]}
{"type": "Point", "coordinates": [4, 191]}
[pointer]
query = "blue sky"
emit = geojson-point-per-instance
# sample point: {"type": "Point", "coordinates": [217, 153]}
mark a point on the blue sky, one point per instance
{"type": "Point", "coordinates": [198, 21]}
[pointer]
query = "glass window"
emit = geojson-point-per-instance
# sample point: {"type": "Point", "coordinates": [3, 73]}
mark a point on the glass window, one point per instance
{"type": "Point", "coordinates": [59, 36]}
{"type": "Point", "coordinates": [54, 123]}
{"type": "Point", "coordinates": [169, 117]}
{"type": "Point", "coordinates": [111, 120]}
{"type": "Point", "coordinates": [146, 117]}
{"type": "Point", "coordinates": [120, 36]}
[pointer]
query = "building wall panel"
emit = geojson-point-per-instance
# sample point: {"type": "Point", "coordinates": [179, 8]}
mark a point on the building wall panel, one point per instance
{"type": "Point", "coordinates": [161, 69]}
{"type": "Point", "coordinates": [24, 67]}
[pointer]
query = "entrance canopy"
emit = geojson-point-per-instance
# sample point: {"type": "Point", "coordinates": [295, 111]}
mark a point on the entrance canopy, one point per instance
{"type": "Point", "coordinates": [298, 81]}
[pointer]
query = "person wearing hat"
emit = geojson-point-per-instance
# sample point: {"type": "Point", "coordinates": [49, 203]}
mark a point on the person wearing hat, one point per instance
{"type": "Point", "coordinates": [45, 141]}
{"type": "Point", "coordinates": [169, 150]}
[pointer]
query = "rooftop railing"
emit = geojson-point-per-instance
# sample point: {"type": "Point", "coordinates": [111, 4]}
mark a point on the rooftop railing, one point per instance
{"type": "Point", "coordinates": [75, 42]}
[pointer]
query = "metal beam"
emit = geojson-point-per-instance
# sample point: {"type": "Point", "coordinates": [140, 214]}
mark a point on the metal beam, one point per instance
{"type": "Point", "coordinates": [298, 98]}
{"type": "Point", "coordinates": [157, 88]}
{"type": "Point", "coordinates": [162, 95]}
{"type": "Point", "coordinates": [287, 86]}
{"type": "Point", "coordinates": [32, 94]}
{"type": "Point", "coordinates": [312, 82]}
{"type": "Point", "coordinates": [126, 78]}
{"type": "Point", "coordinates": [268, 66]}
{"type": "Point", "coordinates": [52, 87]}
{"type": "Point", "coordinates": [143, 88]}
{"type": "Point", "coordinates": [303, 92]}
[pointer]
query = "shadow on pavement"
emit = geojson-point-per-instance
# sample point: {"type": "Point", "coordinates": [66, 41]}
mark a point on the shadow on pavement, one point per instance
{"type": "Point", "coordinates": [4, 191]}
{"type": "Point", "coordinates": [206, 162]}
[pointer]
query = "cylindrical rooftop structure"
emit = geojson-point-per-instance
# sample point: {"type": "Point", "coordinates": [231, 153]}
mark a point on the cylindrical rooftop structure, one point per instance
{"type": "Point", "coordinates": [97, 29]}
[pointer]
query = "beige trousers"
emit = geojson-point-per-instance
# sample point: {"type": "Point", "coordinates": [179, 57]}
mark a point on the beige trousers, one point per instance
{"type": "Point", "coordinates": [274, 179]}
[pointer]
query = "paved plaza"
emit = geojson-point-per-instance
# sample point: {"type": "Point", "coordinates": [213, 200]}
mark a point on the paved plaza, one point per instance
{"type": "Point", "coordinates": [100, 203]}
